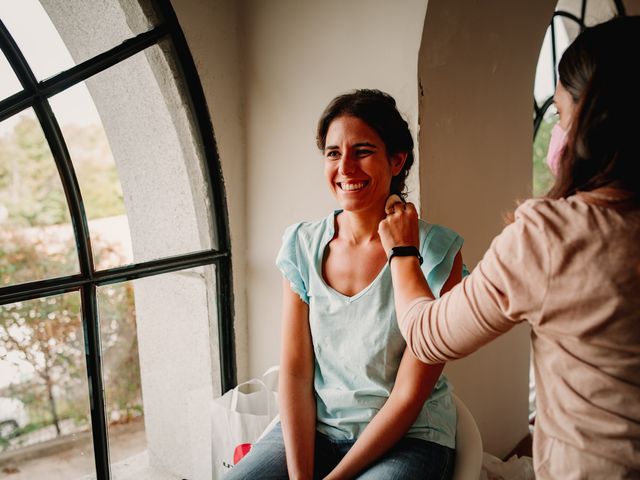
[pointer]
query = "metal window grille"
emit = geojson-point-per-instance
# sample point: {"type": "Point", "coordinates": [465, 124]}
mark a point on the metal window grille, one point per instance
{"type": "Point", "coordinates": [540, 110]}
{"type": "Point", "coordinates": [35, 95]}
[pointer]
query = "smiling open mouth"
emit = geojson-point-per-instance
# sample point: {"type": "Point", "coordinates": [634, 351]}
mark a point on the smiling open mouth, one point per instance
{"type": "Point", "coordinates": [352, 186]}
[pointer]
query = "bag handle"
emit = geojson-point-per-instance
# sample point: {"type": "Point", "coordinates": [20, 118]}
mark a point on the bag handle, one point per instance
{"type": "Point", "coordinates": [261, 385]}
{"type": "Point", "coordinates": [270, 378]}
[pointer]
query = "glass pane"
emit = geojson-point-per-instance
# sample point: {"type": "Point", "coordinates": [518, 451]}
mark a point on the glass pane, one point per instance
{"type": "Point", "coordinates": [160, 367]}
{"type": "Point", "coordinates": [121, 370]}
{"type": "Point", "coordinates": [596, 11]}
{"type": "Point", "coordinates": [543, 177]}
{"type": "Point", "coordinates": [9, 84]}
{"type": "Point", "coordinates": [55, 36]}
{"type": "Point", "coordinates": [97, 175]}
{"type": "Point", "coordinates": [45, 426]}
{"type": "Point", "coordinates": [36, 238]}
{"type": "Point", "coordinates": [155, 201]}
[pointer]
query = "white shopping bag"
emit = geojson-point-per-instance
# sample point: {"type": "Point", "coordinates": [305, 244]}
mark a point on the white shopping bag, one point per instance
{"type": "Point", "coordinates": [239, 417]}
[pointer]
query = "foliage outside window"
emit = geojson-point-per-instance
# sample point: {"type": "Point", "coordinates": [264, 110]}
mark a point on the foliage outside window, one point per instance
{"type": "Point", "coordinates": [112, 232]}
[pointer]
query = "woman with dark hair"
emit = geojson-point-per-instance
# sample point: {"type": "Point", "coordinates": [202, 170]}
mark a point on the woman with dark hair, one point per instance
{"type": "Point", "coordinates": [569, 265]}
{"type": "Point", "coordinates": [354, 402]}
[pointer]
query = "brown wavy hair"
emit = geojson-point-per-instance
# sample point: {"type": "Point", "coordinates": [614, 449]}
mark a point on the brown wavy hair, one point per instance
{"type": "Point", "coordinates": [378, 110]}
{"type": "Point", "coordinates": [601, 71]}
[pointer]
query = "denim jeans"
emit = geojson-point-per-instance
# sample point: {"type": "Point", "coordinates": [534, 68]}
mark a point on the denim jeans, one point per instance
{"type": "Point", "coordinates": [410, 458]}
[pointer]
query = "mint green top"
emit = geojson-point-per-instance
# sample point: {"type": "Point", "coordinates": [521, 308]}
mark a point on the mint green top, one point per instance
{"type": "Point", "coordinates": [356, 340]}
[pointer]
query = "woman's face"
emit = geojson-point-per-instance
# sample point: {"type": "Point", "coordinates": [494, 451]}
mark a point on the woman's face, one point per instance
{"type": "Point", "coordinates": [357, 166]}
{"type": "Point", "coordinates": [565, 105]}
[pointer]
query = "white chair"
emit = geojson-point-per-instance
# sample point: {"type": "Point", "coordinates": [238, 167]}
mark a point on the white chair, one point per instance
{"type": "Point", "coordinates": [468, 464]}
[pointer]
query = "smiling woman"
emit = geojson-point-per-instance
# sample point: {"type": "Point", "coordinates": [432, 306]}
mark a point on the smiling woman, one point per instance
{"type": "Point", "coordinates": [378, 114]}
{"type": "Point", "coordinates": [354, 403]}
{"type": "Point", "coordinates": [357, 166]}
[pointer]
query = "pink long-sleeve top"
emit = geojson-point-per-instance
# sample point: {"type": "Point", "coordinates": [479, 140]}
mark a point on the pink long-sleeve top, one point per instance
{"type": "Point", "coordinates": [571, 268]}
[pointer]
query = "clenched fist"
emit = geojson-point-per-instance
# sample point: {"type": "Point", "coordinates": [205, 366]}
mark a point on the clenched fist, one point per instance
{"type": "Point", "coordinates": [400, 228]}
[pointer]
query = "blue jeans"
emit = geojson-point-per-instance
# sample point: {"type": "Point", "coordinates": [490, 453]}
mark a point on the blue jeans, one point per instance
{"type": "Point", "coordinates": [410, 458]}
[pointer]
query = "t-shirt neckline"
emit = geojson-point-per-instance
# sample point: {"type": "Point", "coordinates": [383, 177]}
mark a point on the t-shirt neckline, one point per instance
{"type": "Point", "coordinates": [329, 234]}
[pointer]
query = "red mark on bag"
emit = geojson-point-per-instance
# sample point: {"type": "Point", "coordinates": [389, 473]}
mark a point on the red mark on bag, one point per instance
{"type": "Point", "coordinates": [240, 451]}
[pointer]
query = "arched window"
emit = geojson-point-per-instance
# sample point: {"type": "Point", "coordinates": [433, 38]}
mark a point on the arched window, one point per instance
{"type": "Point", "coordinates": [115, 273]}
{"type": "Point", "coordinates": [569, 19]}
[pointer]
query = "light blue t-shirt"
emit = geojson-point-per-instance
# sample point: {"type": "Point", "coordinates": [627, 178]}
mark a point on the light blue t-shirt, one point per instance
{"type": "Point", "coordinates": [356, 340]}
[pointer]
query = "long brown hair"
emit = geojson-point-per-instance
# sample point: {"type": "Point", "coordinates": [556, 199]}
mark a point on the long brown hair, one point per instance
{"type": "Point", "coordinates": [601, 71]}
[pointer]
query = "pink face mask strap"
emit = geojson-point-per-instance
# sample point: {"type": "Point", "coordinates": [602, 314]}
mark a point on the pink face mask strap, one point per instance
{"type": "Point", "coordinates": [557, 145]}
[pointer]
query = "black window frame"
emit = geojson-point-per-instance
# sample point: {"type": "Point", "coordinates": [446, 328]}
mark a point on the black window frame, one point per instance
{"type": "Point", "coordinates": [540, 110]}
{"type": "Point", "coordinates": [35, 94]}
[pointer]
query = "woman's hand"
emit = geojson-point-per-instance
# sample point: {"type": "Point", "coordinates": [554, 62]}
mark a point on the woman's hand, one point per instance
{"type": "Point", "coordinates": [400, 228]}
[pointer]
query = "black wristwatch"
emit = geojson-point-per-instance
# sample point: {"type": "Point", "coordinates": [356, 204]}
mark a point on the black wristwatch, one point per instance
{"type": "Point", "coordinates": [405, 252]}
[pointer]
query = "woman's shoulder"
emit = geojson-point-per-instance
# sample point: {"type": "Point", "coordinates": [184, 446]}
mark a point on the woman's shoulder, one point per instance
{"type": "Point", "coordinates": [309, 230]}
{"type": "Point", "coordinates": [544, 212]}
{"type": "Point", "coordinates": [430, 230]}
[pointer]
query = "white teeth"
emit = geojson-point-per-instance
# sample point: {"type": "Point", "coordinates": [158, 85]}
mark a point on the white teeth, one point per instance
{"type": "Point", "coordinates": [348, 187]}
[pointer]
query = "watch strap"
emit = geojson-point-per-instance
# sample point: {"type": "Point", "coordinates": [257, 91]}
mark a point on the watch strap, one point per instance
{"type": "Point", "coordinates": [405, 251]}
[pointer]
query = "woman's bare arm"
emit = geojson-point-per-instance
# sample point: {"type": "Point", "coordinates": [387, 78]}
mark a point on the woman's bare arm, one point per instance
{"type": "Point", "coordinates": [508, 286]}
{"type": "Point", "coordinates": [297, 399]}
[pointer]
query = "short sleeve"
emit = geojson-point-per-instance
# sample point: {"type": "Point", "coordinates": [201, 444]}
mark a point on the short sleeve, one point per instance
{"type": "Point", "coordinates": [439, 249]}
{"type": "Point", "coordinates": [291, 263]}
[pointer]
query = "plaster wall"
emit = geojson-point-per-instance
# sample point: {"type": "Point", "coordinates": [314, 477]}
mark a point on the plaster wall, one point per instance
{"type": "Point", "coordinates": [211, 31]}
{"type": "Point", "coordinates": [477, 68]}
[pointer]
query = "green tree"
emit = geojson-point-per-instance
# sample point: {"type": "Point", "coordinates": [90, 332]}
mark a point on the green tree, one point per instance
{"type": "Point", "coordinates": [30, 185]}
{"type": "Point", "coordinates": [542, 176]}
{"type": "Point", "coordinates": [47, 333]}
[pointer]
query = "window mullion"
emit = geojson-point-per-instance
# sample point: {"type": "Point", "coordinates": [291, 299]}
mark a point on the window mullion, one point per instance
{"type": "Point", "coordinates": [60, 153]}
{"type": "Point", "coordinates": [17, 61]}
{"type": "Point", "coordinates": [55, 286]}
{"type": "Point", "coordinates": [101, 62]}
{"type": "Point", "coordinates": [91, 331]}
{"type": "Point", "coordinates": [18, 102]}
{"type": "Point", "coordinates": [15, 104]}
{"type": "Point", "coordinates": [93, 357]}
{"type": "Point", "coordinates": [583, 14]}
{"type": "Point", "coordinates": [226, 341]}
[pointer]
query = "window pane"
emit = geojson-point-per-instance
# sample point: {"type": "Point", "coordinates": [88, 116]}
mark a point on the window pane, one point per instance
{"type": "Point", "coordinates": [543, 177]}
{"type": "Point", "coordinates": [36, 238]}
{"type": "Point", "coordinates": [9, 84]}
{"type": "Point", "coordinates": [44, 397]}
{"type": "Point", "coordinates": [596, 11]}
{"type": "Point", "coordinates": [160, 168]}
{"type": "Point", "coordinates": [97, 175]}
{"type": "Point", "coordinates": [161, 348]}
{"type": "Point", "coordinates": [55, 36]}
{"type": "Point", "coordinates": [121, 370]}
